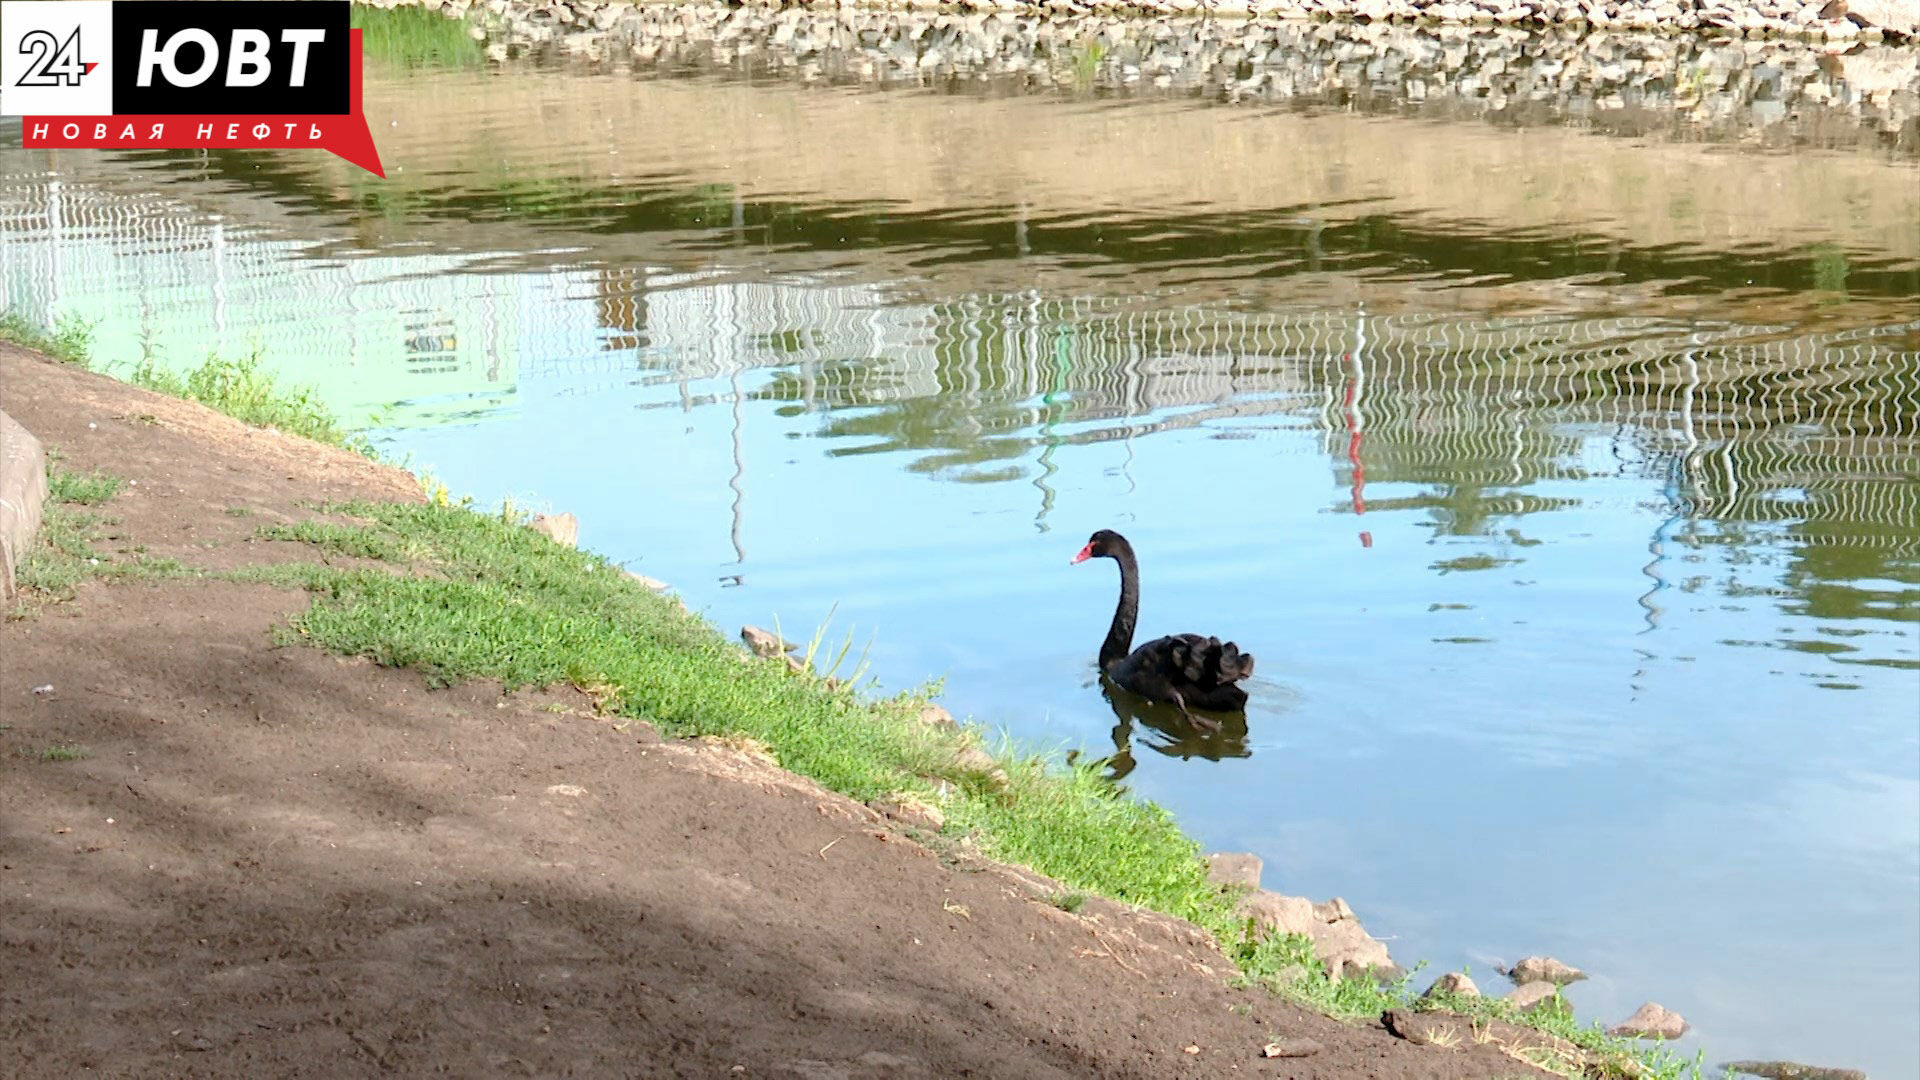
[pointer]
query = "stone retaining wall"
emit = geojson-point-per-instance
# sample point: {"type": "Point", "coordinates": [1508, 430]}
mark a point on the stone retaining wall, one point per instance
{"type": "Point", "coordinates": [1837, 20]}
{"type": "Point", "coordinates": [23, 487]}
{"type": "Point", "coordinates": [1766, 92]}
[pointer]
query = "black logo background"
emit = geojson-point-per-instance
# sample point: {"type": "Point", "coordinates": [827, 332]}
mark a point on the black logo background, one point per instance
{"type": "Point", "coordinates": [327, 90]}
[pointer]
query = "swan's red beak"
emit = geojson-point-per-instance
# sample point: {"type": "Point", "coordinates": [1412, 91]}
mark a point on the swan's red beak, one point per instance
{"type": "Point", "coordinates": [1085, 554]}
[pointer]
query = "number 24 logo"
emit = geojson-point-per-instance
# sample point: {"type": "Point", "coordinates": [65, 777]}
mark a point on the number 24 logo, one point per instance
{"type": "Point", "coordinates": [55, 62]}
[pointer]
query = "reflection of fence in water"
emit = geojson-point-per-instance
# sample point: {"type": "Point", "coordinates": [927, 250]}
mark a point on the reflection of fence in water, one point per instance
{"type": "Point", "coordinates": [1449, 401]}
{"type": "Point", "coordinates": [167, 281]}
{"type": "Point", "coordinates": [1745, 414]}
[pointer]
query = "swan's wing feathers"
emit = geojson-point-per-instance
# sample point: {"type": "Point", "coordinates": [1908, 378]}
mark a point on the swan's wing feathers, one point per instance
{"type": "Point", "coordinates": [1234, 665]}
{"type": "Point", "coordinates": [1202, 661]}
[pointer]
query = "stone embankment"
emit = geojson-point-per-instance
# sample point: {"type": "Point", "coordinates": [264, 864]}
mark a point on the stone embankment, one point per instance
{"type": "Point", "coordinates": [1719, 86]}
{"type": "Point", "coordinates": [1840, 20]}
{"type": "Point", "coordinates": [23, 486]}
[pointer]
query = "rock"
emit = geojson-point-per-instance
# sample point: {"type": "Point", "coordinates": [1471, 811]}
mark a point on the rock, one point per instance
{"type": "Point", "coordinates": [562, 529]}
{"type": "Point", "coordinates": [1544, 969]}
{"type": "Point", "coordinates": [1347, 949]}
{"type": "Point", "coordinates": [975, 760]}
{"type": "Point", "coordinates": [1900, 15]}
{"type": "Point", "coordinates": [1234, 868]}
{"type": "Point", "coordinates": [1428, 1028]}
{"type": "Point", "coordinates": [23, 489]}
{"type": "Point", "coordinates": [1531, 995]}
{"type": "Point", "coordinates": [1792, 1070]}
{"type": "Point", "coordinates": [1453, 982]}
{"type": "Point", "coordinates": [1343, 946]}
{"type": "Point", "coordinates": [763, 643]}
{"type": "Point", "coordinates": [935, 716]}
{"type": "Point", "coordinates": [1283, 914]}
{"type": "Point", "coordinates": [1334, 910]}
{"type": "Point", "coordinates": [1291, 1048]}
{"type": "Point", "coordinates": [910, 809]}
{"type": "Point", "coordinates": [1651, 1021]}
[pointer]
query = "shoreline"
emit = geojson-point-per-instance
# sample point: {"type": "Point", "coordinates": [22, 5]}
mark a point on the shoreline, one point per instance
{"type": "Point", "coordinates": [1760, 93]}
{"type": "Point", "coordinates": [1838, 21]}
{"type": "Point", "coordinates": [1295, 945]}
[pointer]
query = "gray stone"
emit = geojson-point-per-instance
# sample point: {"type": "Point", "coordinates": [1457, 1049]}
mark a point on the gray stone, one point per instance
{"type": "Point", "coordinates": [1793, 1070]}
{"type": "Point", "coordinates": [1283, 914]}
{"type": "Point", "coordinates": [764, 643]}
{"type": "Point", "coordinates": [1544, 969]}
{"type": "Point", "coordinates": [562, 529]}
{"type": "Point", "coordinates": [23, 488]}
{"type": "Point", "coordinates": [1347, 949]}
{"type": "Point", "coordinates": [1291, 1048]}
{"type": "Point", "coordinates": [1428, 1028]}
{"type": "Point", "coordinates": [1453, 982]}
{"type": "Point", "coordinates": [978, 761]}
{"type": "Point", "coordinates": [1333, 910]}
{"type": "Point", "coordinates": [1532, 994]}
{"type": "Point", "coordinates": [1234, 868]}
{"type": "Point", "coordinates": [1651, 1021]}
{"type": "Point", "coordinates": [1900, 15]}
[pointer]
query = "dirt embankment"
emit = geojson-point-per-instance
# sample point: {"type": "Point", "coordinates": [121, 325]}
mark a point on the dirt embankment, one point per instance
{"type": "Point", "coordinates": [276, 862]}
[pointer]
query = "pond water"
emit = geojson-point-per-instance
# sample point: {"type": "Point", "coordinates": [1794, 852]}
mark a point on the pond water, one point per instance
{"type": "Point", "coordinates": [1556, 448]}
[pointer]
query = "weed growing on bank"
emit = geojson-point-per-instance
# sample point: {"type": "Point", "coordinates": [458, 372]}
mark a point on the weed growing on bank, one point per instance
{"type": "Point", "coordinates": [63, 553]}
{"type": "Point", "coordinates": [67, 342]}
{"type": "Point", "coordinates": [239, 388]}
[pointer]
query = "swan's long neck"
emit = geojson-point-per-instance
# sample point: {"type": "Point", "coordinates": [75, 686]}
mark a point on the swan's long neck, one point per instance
{"type": "Point", "coordinates": [1120, 636]}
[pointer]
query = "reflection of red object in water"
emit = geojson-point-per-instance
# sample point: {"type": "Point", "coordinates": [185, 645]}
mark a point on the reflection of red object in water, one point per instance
{"type": "Point", "coordinates": [1353, 451]}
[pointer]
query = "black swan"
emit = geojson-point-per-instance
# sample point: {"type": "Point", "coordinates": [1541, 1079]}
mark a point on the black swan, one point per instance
{"type": "Point", "coordinates": [1187, 671]}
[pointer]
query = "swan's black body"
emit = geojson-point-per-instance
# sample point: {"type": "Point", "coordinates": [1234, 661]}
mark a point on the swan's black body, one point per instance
{"type": "Point", "coordinates": [1188, 671]}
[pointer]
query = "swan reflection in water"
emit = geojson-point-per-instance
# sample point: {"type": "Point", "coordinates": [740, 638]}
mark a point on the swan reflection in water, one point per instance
{"type": "Point", "coordinates": [1166, 730]}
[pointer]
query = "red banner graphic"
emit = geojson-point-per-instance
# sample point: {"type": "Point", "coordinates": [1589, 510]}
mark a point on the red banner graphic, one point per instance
{"type": "Point", "coordinates": [345, 135]}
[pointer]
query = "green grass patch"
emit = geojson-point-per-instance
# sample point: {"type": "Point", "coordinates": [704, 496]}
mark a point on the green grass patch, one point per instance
{"type": "Point", "coordinates": [1073, 824]}
{"type": "Point", "coordinates": [68, 342]}
{"type": "Point", "coordinates": [63, 554]}
{"type": "Point", "coordinates": [63, 753]}
{"type": "Point", "coordinates": [411, 37]}
{"type": "Point", "coordinates": [82, 489]}
{"type": "Point", "coordinates": [242, 388]}
{"type": "Point", "coordinates": [358, 542]}
{"type": "Point", "coordinates": [247, 392]}
{"type": "Point", "coordinates": [489, 598]}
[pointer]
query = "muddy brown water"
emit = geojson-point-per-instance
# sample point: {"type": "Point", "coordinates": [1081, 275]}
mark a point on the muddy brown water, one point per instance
{"type": "Point", "coordinates": [1564, 476]}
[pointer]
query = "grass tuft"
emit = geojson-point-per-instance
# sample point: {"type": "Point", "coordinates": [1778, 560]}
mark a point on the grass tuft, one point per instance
{"type": "Point", "coordinates": [82, 489]}
{"type": "Point", "coordinates": [68, 342]}
{"type": "Point", "coordinates": [243, 390]}
{"type": "Point", "coordinates": [409, 37]}
{"type": "Point", "coordinates": [63, 753]}
{"type": "Point", "coordinates": [63, 554]}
